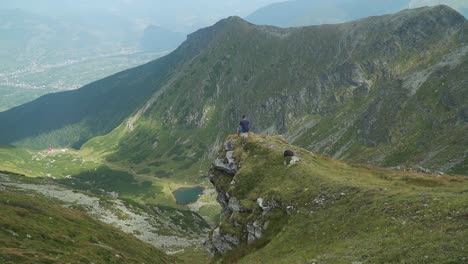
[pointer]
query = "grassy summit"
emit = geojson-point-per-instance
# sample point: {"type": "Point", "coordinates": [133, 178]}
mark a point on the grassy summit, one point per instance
{"type": "Point", "coordinates": [326, 211]}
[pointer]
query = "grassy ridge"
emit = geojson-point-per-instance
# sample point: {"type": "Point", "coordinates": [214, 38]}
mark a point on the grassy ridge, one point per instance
{"type": "Point", "coordinates": [332, 212]}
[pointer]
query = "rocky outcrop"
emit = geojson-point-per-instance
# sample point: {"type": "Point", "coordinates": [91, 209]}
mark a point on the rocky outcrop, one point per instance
{"type": "Point", "coordinates": [223, 170]}
{"type": "Point", "coordinates": [225, 166]}
{"type": "Point", "coordinates": [226, 163]}
{"type": "Point", "coordinates": [254, 231]}
{"type": "Point", "coordinates": [233, 230]}
{"type": "Point", "coordinates": [220, 243]}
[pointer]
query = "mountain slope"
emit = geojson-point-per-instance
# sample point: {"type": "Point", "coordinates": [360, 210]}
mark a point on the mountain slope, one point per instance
{"type": "Point", "coordinates": [385, 90]}
{"type": "Point", "coordinates": [37, 229]}
{"type": "Point", "coordinates": [313, 209]}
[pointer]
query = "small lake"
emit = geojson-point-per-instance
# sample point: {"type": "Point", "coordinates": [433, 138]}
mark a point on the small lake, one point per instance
{"type": "Point", "coordinates": [188, 195]}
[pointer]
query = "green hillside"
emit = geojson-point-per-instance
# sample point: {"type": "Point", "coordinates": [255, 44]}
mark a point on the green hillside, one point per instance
{"type": "Point", "coordinates": [319, 210]}
{"type": "Point", "coordinates": [37, 229]}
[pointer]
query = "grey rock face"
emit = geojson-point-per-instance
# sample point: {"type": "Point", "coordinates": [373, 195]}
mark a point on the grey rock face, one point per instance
{"type": "Point", "coordinates": [229, 157]}
{"type": "Point", "coordinates": [225, 166]}
{"type": "Point", "coordinates": [226, 163]}
{"type": "Point", "coordinates": [220, 243]}
{"type": "Point", "coordinates": [223, 200]}
{"type": "Point", "coordinates": [254, 232]}
{"type": "Point", "coordinates": [267, 205]}
{"type": "Point", "coordinates": [222, 175]}
{"type": "Point", "coordinates": [229, 145]}
{"type": "Point", "coordinates": [234, 205]}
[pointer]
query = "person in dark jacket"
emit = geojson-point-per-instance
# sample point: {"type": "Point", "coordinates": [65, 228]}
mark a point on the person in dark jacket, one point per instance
{"type": "Point", "coordinates": [244, 126]}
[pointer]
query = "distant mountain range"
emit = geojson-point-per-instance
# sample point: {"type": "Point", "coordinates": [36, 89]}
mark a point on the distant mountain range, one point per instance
{"type": "Point", "coordinates": [305, 12]}
{"type": "Point", "coordinates": [375, 90]}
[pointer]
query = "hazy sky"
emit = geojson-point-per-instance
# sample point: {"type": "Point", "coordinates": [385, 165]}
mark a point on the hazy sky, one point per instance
{"type": "Point", "coordinates": [178, 15]}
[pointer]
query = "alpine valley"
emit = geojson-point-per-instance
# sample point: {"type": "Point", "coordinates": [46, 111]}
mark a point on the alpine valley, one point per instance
{"type": "Point", "coordinates": [376, 111]}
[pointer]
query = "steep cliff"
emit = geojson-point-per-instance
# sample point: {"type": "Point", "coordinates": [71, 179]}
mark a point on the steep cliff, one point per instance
{"type": "Point", "coordinates": [313, 209]}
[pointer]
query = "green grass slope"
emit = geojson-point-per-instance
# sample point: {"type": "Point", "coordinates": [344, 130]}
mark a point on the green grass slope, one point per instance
{"type": "Point", "coordinates": [327, 211]}
{"type": "Point", "coordinates": [35, 229]}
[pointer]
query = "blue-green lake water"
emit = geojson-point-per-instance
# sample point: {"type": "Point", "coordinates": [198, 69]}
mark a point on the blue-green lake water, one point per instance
{"type": "Point", "coordinates": [188, 195]}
